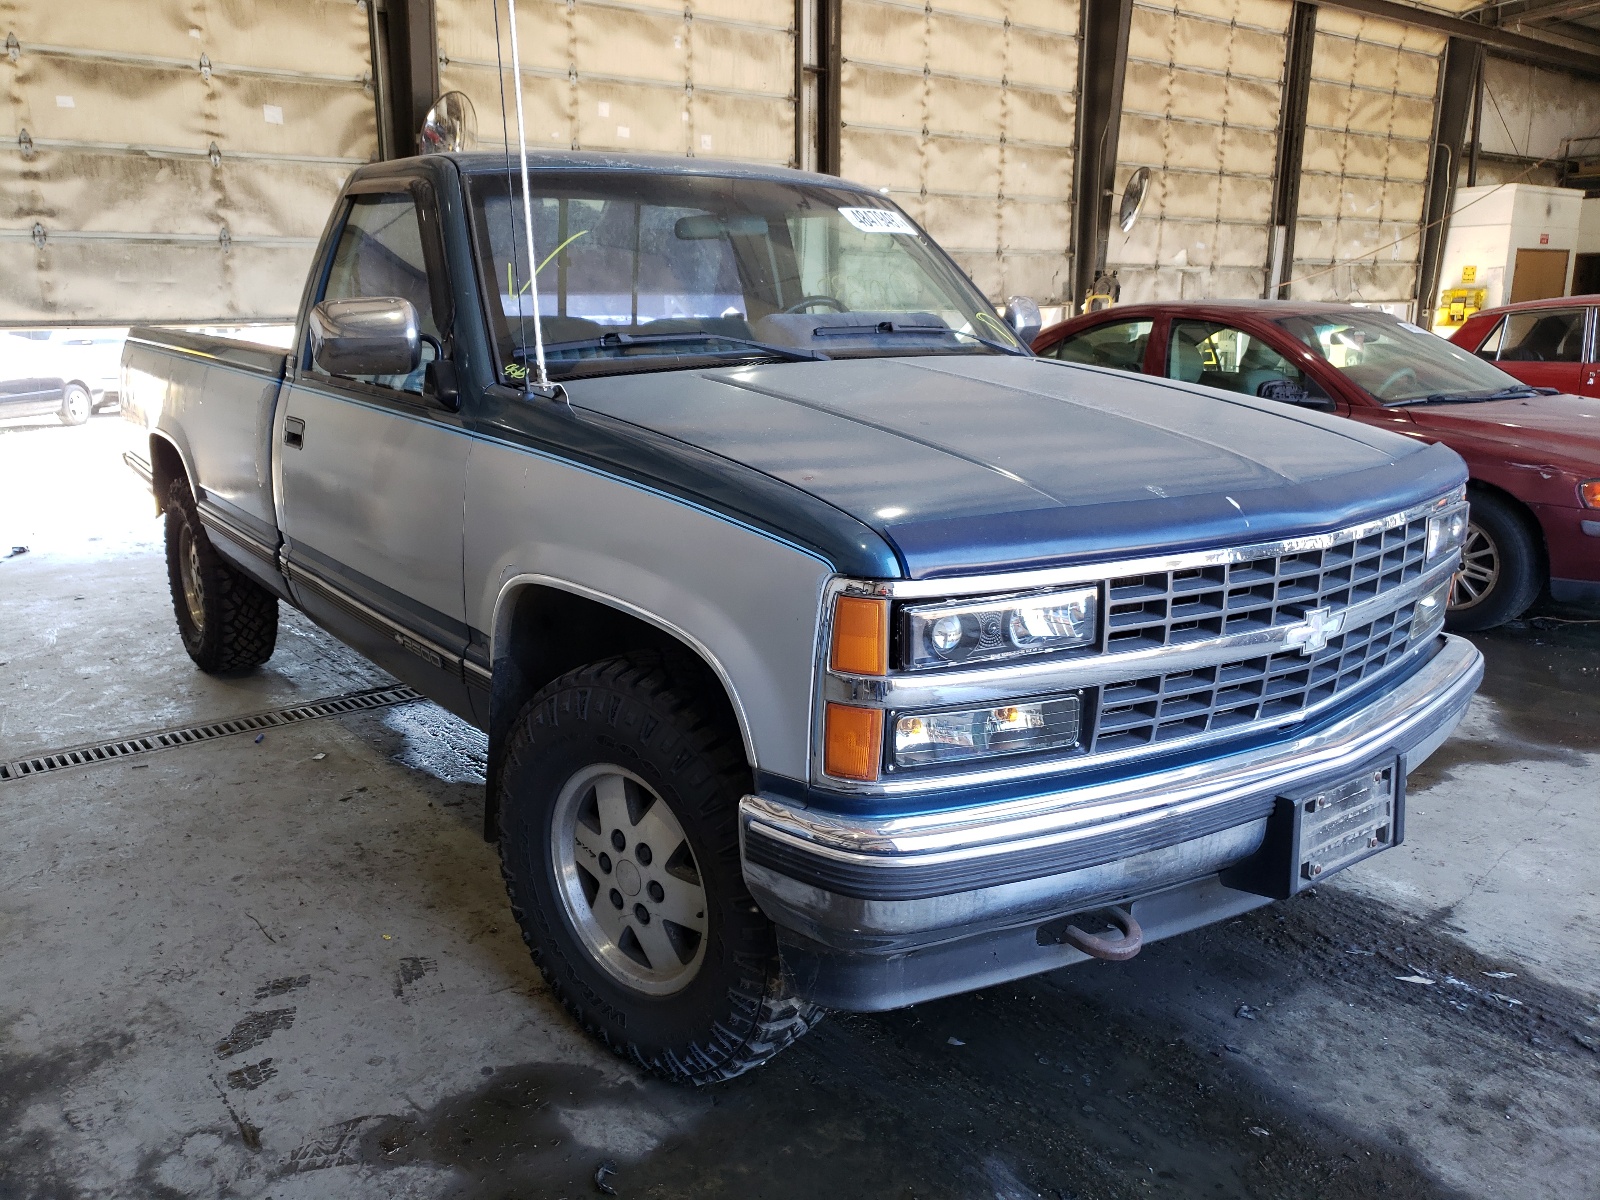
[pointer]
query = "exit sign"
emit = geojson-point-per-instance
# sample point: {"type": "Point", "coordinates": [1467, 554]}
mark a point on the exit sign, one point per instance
{"type": "Point", "coordinates": [1544, 239]}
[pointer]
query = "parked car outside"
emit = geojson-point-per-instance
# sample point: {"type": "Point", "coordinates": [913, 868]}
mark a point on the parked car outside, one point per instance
{"type": "Point", "coordinates": [1534, 456]}
{"type": "Point", "coordinates": [87, 358]}
{"type": "Point", "coordinates": [32, 386]}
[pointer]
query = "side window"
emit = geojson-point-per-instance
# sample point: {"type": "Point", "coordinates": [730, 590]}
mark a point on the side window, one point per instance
{"type": "Point", "coordinates": [1544, 335]}
{"type": "Point", "coordinates": [1221, 356]}
{"type": "Point", "coordinates": [1490, 348]}
{"type": "Point", "coordinates": [1117, 344]}
{"type": "Point", "coordinates": [380, 254]}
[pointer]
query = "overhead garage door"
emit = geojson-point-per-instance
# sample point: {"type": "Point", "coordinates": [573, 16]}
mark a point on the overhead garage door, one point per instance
{"type": "Point", "coordinates": [1368, 137]}
{"type": "Point", "coordinates": [1200, 109]}
{"type": "Point", "coordinates": [693, 77]}
{"type": "Point", "coordinates": [173, 162]}
{"type": "Point", "coordinates": [964, 111]}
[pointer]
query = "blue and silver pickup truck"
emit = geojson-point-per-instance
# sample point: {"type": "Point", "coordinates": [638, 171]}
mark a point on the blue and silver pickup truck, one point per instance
{"type": "Point", "coordinates": [833, 650]}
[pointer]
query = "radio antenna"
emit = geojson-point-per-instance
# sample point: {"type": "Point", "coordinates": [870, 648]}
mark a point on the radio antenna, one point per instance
{"type": "Point", "coordinates": [527, 207]}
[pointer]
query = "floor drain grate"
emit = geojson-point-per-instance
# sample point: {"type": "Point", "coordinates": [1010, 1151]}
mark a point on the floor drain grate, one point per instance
{"type": "Point", "coordinates": [187, 735]}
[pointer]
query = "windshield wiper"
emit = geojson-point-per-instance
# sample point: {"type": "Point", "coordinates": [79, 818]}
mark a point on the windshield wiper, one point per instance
{"type": "Point", "coordinates": [1509, 393]}
{"type": "Point", "coordinates": [895, 328]}
{"type": "Point", "coordinates": [623, 340]}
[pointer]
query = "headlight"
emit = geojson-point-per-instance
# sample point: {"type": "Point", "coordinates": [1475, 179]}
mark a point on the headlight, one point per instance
{"type": "Point", "coordinates": [1589, 493]}
{"type": "Point", "coordinates": [940, 635]}
{"type": "Point", "coordinates": [1428, 618]}
{"type": "Point", "coordinates": [921, 739]}
{"type": "Point", "coordinates": [1446, 533]}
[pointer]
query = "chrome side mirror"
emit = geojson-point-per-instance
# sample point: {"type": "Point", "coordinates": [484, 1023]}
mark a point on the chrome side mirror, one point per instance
{"type": "Point", "coordinates": [366, 335]}
{"type": "Point", "coordinates": [1022, 314]}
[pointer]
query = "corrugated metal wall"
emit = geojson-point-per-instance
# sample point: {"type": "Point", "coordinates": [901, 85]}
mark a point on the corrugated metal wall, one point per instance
{"type": "Point", "coordinates": [694, 77]}
{"type": "Point", "coordinates": [1200, 109]}
{"type": "Point", "coordinates": [1370, 120]}
{"type": "Point", "coordinates": [963, 110]}
{"type": "Point", "coordinates": [173, 160]}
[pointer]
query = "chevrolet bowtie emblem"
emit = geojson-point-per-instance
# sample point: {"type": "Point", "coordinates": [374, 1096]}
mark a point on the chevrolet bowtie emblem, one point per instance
{"type": "Point", "coordinates": [1313, 632]}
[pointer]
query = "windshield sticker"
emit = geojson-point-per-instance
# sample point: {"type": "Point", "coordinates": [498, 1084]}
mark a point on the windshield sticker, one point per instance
{"type": "Point", "coordinates": [1407, 325]}
{"type": "Point", "coordinates": [877, 220]}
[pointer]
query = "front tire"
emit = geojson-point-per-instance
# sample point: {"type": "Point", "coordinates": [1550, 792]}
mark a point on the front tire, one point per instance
{"type": "Point", "coordinates": [620, 850]}
{"type": "Point", "coordinates": [228, 621]}
{"type": "Point", "coordinates": [1501, 570]}
{"type": "Point", "coordinates": [76, 405]}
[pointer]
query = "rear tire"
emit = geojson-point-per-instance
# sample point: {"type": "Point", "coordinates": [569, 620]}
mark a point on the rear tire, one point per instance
{"type": "Point", "coordinates": [228, 621]}
{"type": "Point", "coordinates": [617, 781]}
{"type": "Point", "coordinates": [76, 405]}
{"type": "Point", "coordinates": [1501, 570]}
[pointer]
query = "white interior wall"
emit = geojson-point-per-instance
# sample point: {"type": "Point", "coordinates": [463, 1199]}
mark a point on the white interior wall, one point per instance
{"type": "Point", "coordinates": [1490, 223]}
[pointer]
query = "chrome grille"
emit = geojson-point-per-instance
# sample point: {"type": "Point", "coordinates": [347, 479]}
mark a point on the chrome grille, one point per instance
{"type": "Point", "coordinates": [1179, 607]}
{"type": "Point", "coordinates": [1175, 607]}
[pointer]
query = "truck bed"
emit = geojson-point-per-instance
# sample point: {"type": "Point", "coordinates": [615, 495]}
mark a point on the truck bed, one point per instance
{"type": "Point", "coordinates": [216, 398]}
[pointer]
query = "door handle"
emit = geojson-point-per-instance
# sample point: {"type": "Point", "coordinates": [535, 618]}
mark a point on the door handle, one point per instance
{"type": "Point", "coordinates": [294, 432]}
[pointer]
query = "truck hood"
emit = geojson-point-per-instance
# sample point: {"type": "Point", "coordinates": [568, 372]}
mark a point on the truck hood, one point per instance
{"type": "Point", "coordinates": [1561, 431]}
{"type": "Point", "coordinates": [979, 464]}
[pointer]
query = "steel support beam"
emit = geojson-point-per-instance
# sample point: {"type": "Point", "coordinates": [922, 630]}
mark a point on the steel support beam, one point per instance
{"type": "Point", "coordinates": [1517, 45]}
{"type": "Point", "coordinates": [1102, 68]}
{"type": "Point", "coordinates": [1458, 86]}
{"type": "Point", "coordinates": [1302, 42]}
{"type": "Point", "coordinates": [406, 59]}
{"type": "Point", "coordinates": [817, 68]}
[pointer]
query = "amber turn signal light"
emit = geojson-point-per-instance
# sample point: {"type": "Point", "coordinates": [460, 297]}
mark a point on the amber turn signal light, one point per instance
{"type": "Point", "coordinates": [1590, 492]}
{"type": "Point", "coordinates": [852, 742]}
{"type": "Point", "coordinates": [860, 636]}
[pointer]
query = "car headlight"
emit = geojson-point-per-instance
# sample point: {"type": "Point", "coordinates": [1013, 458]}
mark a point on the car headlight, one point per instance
{"type": "Point", "coordinates": [1428, 618]}
{"type": "Point", "coordinates": [1000, 627]}
{"type": "Point", "coordinates": [921, 739]}
{"type": "Point", "coordinates": [1589, 493]}
{"type": "Point", "coordinates": [1446, 533]}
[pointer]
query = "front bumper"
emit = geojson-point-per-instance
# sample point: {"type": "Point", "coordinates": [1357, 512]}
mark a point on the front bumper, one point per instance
{"type": "Point", "coordinates": [879, 912]}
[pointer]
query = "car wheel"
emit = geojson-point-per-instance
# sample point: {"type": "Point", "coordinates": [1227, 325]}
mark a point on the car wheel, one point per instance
{"type": "Point", "coordinates": [228, 621]}
{"type": "Point", "coordinates": [619, 844]}
{"type": "Point", "coordinates": [1501, 571]}
{"type": "Point", "coordinates": [76, 405]}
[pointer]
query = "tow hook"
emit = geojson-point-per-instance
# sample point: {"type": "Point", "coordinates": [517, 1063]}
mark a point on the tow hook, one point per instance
{"type": "Point", "coordinates": [1096, 945]}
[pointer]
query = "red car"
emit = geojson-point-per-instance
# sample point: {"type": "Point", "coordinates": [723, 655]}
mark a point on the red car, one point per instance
{"type": "Point", "coordinates": [1548, 343]}
{"type": "Point", "coordinates": [1534, 455]}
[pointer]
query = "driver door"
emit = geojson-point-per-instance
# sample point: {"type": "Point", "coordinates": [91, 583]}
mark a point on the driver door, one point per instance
{"type": "Point", "coordinates": [373, 471]}
{"type": "Point", "coordinates": [1544, 347]}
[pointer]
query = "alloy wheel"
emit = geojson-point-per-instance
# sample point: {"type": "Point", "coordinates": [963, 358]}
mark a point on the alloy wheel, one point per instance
{"type": "Point", "coordinates": [1479, 570]}
{"type": "Point", "coordinates": [189, 560]}
{"type": "Point", "coordinates": [628, 879]}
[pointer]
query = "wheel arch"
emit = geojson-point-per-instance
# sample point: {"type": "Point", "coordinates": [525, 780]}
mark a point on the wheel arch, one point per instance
{"type": "Point", "coordinates": [166, 465]}
{"type": "Point", "coordinates": [545, 627]}
{"type": "Point", "coordinates": [1523, 513]}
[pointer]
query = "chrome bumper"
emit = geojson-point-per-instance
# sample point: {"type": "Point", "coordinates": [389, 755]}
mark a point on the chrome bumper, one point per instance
{"type": "Point", "coordinates": [879, 885]}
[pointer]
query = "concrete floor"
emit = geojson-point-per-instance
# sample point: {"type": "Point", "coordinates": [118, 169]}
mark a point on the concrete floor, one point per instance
{"type": "Point", "coordinates": [287, 969]}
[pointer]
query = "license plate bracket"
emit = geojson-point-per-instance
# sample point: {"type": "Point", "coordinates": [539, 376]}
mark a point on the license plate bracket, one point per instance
{"type": "Point", "coordinates": [1314, 833]}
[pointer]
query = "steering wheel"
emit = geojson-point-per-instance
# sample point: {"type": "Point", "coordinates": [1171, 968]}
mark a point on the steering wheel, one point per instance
{"type": "Point", "coordinates": [805, 302]}
{"type": "Point", "coordinates": [1395, 378]}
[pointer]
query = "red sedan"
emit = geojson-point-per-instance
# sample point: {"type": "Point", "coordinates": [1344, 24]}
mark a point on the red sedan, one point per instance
{"type": "Point", "coordinates": [1548, 343]}
{"type": "Point", "coordinates": [1534, 455]}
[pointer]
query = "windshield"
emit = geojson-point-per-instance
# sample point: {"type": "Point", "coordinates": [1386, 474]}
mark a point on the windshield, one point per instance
{"type": "Point", "coordinates": [1396, 362]}
{"type": "Point", "coordinates": [643, 271]}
